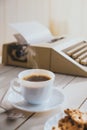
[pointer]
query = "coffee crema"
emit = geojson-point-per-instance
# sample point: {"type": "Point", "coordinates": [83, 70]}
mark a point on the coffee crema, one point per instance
{"type": "Point", "coordinates": [37, 78]}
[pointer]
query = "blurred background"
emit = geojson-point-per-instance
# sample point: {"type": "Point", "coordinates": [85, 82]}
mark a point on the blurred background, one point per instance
{"type": "Point", "coordinates": [62, 17]}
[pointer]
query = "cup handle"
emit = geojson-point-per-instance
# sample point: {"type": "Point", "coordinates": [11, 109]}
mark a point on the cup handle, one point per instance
{"type": "Point", "coordinates": [15, 84]}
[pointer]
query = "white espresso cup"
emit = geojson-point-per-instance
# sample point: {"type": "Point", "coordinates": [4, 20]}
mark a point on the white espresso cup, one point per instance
{"type": "Point", "coordinates": [35, 84]}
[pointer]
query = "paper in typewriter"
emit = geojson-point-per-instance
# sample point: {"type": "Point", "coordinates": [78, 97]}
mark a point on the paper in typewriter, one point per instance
{"type": "Point", "coordinates": [33, 32]}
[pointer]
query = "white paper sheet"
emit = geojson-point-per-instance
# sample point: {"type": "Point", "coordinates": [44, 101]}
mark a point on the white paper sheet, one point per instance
{"type": "Point", "coordinates": [33, 32]}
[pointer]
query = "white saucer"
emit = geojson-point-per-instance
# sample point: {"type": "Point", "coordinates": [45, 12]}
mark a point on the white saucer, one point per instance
{"type": "Point", "coordinates": [55, 101]}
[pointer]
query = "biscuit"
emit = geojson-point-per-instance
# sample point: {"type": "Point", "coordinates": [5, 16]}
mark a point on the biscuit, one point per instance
{"type": "Point", "coordinates": [74, 120]}
{"type": "Point", "coordinates": [77, 116]}
{"type": "Point", "coordinates": [68, 124]}
{"type": "Point", "coordinates": [55, 128]}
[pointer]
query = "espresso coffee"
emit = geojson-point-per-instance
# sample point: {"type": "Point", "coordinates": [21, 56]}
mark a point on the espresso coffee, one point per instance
{"type": "Point", "coordinates": [37, 78]}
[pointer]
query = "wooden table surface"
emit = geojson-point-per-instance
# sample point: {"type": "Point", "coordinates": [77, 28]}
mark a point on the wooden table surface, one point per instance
{"type": "Point", "coordinates": [74, 88]}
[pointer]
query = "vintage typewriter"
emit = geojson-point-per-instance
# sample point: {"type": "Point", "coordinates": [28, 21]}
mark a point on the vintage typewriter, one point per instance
{"type": "Point", "coordinates": [67, 56]}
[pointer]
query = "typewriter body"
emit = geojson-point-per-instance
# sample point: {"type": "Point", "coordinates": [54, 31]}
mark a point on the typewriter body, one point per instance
{"type": "Point", "coordinates": [66, 56]}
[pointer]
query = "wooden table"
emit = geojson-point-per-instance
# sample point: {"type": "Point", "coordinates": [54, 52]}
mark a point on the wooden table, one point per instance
{"type": "Point", "coordinates": [75, 88]}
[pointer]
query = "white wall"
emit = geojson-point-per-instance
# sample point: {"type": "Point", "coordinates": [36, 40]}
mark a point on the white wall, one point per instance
{"type": "Point", "coordinates": [63, 17]}
{"type": "Point", "coordinates": [21, 11]}
{"type": "Point", "coordinates": [69, 17]}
